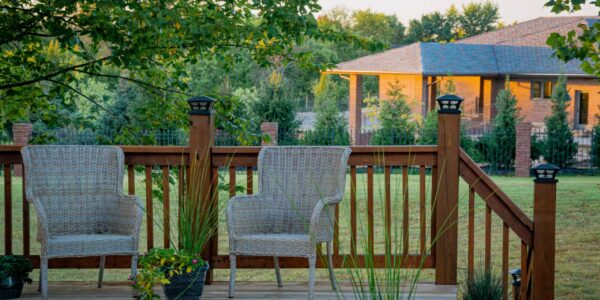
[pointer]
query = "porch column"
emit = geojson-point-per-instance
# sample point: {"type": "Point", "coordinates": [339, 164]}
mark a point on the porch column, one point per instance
{"type": "Point", "coordinates": [446, 202]}
{"type": "Point", "coordinates": [354, 108]}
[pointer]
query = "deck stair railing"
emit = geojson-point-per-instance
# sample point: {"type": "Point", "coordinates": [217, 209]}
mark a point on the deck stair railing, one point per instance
{"type": "Point", "coordinates": [415, 188]}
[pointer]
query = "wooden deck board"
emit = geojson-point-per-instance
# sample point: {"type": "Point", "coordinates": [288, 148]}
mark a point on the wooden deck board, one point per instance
{"type": "Point", "coordinates": [218, 290]}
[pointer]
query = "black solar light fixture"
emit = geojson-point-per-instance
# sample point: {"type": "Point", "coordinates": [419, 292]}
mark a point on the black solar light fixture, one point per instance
{"type": "Point", "coordinates": [545, 173]}
{"type": "Point", "coordinates": [200, 105]}
{"type": "Point", "coordinates": [449, 104]}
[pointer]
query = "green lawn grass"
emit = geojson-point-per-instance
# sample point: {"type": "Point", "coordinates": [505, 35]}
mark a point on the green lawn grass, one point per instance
{"type": "Point", "coordinates": [578, 231]}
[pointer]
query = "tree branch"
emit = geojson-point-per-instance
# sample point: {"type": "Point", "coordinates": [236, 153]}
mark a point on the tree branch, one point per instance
{"type": "Point", "coordinates": [87, 98]}
{"type": "Point", "coordinates": [140, 82]}
{"type": "Point", "coordinates": [49, 76]}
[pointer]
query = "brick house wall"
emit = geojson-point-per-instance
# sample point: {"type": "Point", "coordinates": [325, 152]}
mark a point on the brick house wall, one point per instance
{"type": "Point", "coordinates": [535, 110]}
{"type": "Point", "coordinates": [412, 87]}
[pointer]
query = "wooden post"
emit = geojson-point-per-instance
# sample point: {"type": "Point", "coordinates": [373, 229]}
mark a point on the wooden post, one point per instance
{"type": "Point", "coordinates": [446, 204]}
{"type": "Point", "coordinates": [544, 231]}
{"type": "Point", "coordinates": [201, 141]}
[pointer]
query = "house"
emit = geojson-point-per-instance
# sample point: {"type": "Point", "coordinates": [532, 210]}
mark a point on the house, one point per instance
{"type": "Point", "coordinates": [478, 67]}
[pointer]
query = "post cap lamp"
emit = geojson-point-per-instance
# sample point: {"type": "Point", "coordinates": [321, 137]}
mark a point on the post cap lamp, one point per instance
{"type": "Point", "coordinates": [200, 105]}
{"type": "Point", "coordinates": [449, 104]}
{"type": "Point", "coordinates": [545, 172]}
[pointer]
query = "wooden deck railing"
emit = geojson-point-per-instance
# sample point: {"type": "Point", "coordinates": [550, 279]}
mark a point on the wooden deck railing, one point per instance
{"type": "Point", "coordinates": [424, 207]}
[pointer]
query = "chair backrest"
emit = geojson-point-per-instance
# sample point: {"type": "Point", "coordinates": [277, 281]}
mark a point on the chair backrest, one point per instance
{"type": "Point", "coordinates": [75, 184]}
{"type": "Point", "coordinates": [294, 179]}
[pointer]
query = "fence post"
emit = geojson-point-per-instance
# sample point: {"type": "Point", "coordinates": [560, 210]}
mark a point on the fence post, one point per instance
{"type": "Point", "coordinates": [544, 231]}
{"type": "Point", "coordinates": [201, 141]}
{"type": "Point", "coordinates": [446, 202]}
{"type": "Point", "coordinates": [271, 129]}
{"type": "Point", "coordinates": [21, 135]}
{"type": "Point", "coordinates": [523, 149]}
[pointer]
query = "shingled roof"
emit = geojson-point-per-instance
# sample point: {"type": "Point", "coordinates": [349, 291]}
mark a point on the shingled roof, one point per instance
{"type": "Point", "coordinates": [530, 33]}
{"type": "Point", "coordinates": [517, 49]}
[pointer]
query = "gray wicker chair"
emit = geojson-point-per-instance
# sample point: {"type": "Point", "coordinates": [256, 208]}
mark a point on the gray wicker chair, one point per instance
{"type": "Point", "coordinates": [78, 195]}
{"type": "Point", "coordinates": [298, 188]}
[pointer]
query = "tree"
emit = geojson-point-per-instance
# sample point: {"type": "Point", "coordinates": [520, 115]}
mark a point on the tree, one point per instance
{"type": "Point", "coordinates": [498, 147]}
{"type": "Point", "coordinates": [433, 27]}
{"type": "Point", "coordinates": [395, 119]}
{"type": "Point", "coordinates": [48, 46]}
{"type": "Point", "coordinates": [378, 26]}
{"type": "Point", "coordinates": [478, 17]}
{"type": "Point", "coordinates": [330, 125]}
{"type": "Point", "coordinates": [559, 147]}
{"type": "Point", "coordinates": [595, 150]}
{"type": "Point", "coordinates": [580, 43]}
{"type": "Point", "coordinates": [275, 106]}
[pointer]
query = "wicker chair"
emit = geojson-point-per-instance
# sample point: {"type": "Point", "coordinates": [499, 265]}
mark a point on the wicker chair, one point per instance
{"type": "Point", "coordinates": [298, 189]}
{"type": "Point", "coordinates": [78, 195]}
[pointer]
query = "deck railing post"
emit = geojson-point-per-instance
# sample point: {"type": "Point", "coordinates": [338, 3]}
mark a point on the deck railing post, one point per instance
{"type": "Point", "coordinates": [544, 231]}
{"type": "Point", "coordinates": [446, 201]}
{"type": "Point", "coordinates": [201, 141]}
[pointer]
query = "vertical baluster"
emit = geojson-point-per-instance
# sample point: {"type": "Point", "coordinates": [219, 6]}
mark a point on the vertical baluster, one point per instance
{"type": "Point", "coordinates": [231, 181]}
{"type": "Point", "coordinates": [166, 207]}
{"type": "Point", "coordinates": [7, 210]}
{"type": "Point", "coordinates": [505, 260]}
{"type": "Point", "coordinates": [249, 180]}
{"type": "Point", "coordinates": [26, 221]}
{"type": "Point", "coordinates": [471, 246]}
{"type": "Point", "coordinates": [524, 271]}
{"type": "Point", "coordinates": [130, 180]}
{"type": "Point", "coordinates": [488, 237]}
{"type": "Point", "coordinates": [353, 241]}
{"type": "Point", "coordinates": [149, 209]}
{"type": "Point", "coordinates": [388, 210]}
{"type": "Point", "coordinates": [422, 212]}
{"type": "Point", "coordinates": [371, 241]}
{"type": "Point", "coordinates": [405, 211]}
{"type": "Point", "coordinates": [214, 190]}
{"type": "Point", "coordinates": [434, 184]}
{"type": "Point", "coordinates": [336, 230]}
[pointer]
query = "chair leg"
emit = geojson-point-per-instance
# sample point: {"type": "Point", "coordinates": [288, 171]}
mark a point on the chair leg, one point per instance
{"type": "Point", "coordinates": [312, 263]}
{"type": "Point", "coordinates": [232, 270]}
{"type": "Point", "coordinates": [134, 263]}
{"type": "Point", "coordinates": [44, 278]}
{"type": "Point", "coordinates": [330, 263]}
{"type": "Point", "coordinates": [101, 270]}
{"type": "Point", "coordinates": [277, 272]}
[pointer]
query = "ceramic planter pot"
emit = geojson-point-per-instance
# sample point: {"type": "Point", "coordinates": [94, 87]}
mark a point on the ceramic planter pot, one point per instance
{"type": "Point", "coordinates": [11, 288]}
{"type": "Point", "coordinates": [188, 286]}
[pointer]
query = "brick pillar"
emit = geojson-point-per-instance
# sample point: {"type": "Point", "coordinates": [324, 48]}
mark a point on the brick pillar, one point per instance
{"type": "Point", "coordinates": [21, 136]}
{"type": "Point", "coordinates": [523, 149]}
{"type": "Point", "coordinates": [355, 108]}
{"type": "Point", "coordinates": [271, 129]}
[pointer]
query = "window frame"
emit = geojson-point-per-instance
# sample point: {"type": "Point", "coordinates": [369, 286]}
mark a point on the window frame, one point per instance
{"type": "Point", "coordinates": [543, 93]}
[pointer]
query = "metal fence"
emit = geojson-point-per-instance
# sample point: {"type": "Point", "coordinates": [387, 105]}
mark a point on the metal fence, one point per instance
{"type": "Point", "coordinates": [494, 152]}
{"type": "Point", "coordinates": [579, 154]}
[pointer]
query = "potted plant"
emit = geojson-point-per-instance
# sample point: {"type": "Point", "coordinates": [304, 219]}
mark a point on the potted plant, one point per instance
{"type": "Point", "coordinates": [14, 271]}
{"type": "Point", "coordinates": [181, 269]}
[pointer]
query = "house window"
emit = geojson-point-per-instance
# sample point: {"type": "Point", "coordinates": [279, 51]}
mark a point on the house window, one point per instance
{"type": "Point", "coordinates": [541, 89]}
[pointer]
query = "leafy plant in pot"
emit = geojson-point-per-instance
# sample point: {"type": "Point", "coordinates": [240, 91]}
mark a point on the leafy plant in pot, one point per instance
{"type": "Point", "coordinates": [181, 269]}
{"type": "Point", "coordinates": [14, 272]}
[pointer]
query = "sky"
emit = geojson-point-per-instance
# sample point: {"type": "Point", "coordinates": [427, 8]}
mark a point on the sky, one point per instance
{"type": "Point", "coordinates": [510, 10]}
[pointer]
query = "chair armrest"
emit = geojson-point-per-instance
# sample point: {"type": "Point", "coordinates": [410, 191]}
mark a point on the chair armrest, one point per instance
{"type": "Point", "coordinates": [42, 219]}
{"type": "Point", "coordinates": [245, 214]}
{"type": "Point", "coordinates": [129, 213]}
{"type": "Point", "coordinates": [323, 218]}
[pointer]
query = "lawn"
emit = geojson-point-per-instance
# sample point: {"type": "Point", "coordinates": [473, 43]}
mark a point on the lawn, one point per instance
{"type": "Point", "coordinates": [577, 260]}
